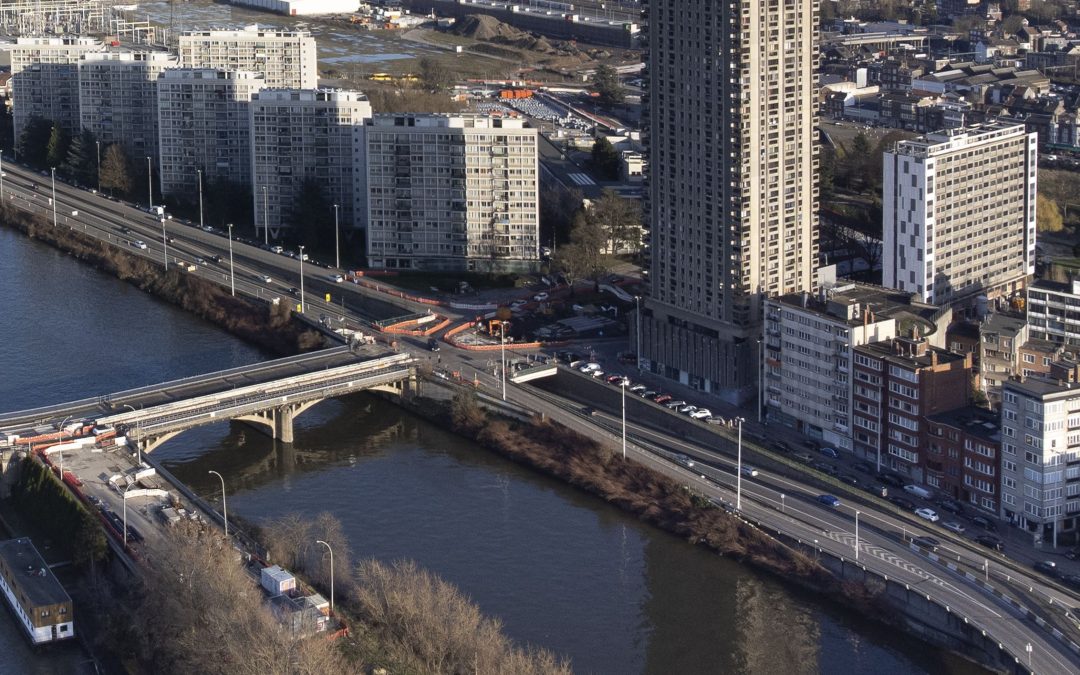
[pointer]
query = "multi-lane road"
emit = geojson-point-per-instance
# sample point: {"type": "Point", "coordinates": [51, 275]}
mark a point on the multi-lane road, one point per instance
{"type": "Point", "coordinates": [883, 543]}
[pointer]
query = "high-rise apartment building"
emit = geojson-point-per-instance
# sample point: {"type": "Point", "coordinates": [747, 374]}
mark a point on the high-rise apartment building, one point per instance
{"type": "Point", "coordinates": [959, 213]}
{"type": "Point", "coordinates": [118, 98]}
{"type": "Point", "coordinates": [45, 79]}
{"type": "Point", "coordinates": [733, 157]}
{"type": "Point", "coordinates": [204, 125]}
{"type": "Point", "coordinates": [286, 59]}
{"type": "Point", "coordinates": [300, 135]}
{"type": "Point", "coordinates": [452, 192]}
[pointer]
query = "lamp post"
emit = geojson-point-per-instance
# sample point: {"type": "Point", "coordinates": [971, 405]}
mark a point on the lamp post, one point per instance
{"type": "Point", "coordinates": [232, 275]}
{"type": "Point", "coordinates": [622, 386]}
{"type": "Point", "coordinates": [149, 182]}
{"type": "Point", "coordinates": [266, 222]}
{"type": "Point", "coordinates": [97, 144]}
{"type": "Point", "coordinates": [637, 314]}
{"type": "Point", "coordinates": [502, 356]}
{"type": "Point", "coordinates": [856, 535]}
{"type": "Point", "coordinates": [138, 439]}
{"type": "Point", "coordinates": [301, 279]}
{"type": "Point", "coordinates": [199, 171]}
{"type": "Point", "coordinates": [337, 243]}
{"type": "Point", "coordinates": [224, 508]}
{"type": "Point", "coordinates": [62, 424]}
{"type": "Point", "coordinates": [320, 541]}
{"type": "Point", "coordinates": [1029, 649]}
{"type": "Point", "coordinates": [53, 170]}
{"type": "Point", "coordinates": [738, 473]}
{"type": "Point", "coordinates": [165, 243]}
{"type": "Point", "coordinates": [782, 503]}
{"type": "Point", "coordinates": [2, 176]}
{"type": "Point", "coordinates": [125, 513]}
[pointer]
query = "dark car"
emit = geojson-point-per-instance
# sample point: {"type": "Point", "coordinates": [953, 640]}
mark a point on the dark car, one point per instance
{"type": "Point", "coordinates": [293, 290]}
{"type": "Point", "coordinates": [1047, 567]}
{"type": "Point", "coordinates": [780, 446]}
{"type": "Point", "coordinates": [902, 503]}
{"type": "Point", "coordinates": [890, 479]}
{"type": "Point", "coordinates": [848, 478]}
{"type": "Point", "coordinates": [433, 345]}
{"type": "Point", "coordinates": [1071, 580]}
{"type": "Point", "coordinates": [951, 506]}
{"type": "Point", "coordinates": [927, 542]}
{"type": "Point", "coordinates": [984, 523]}
{"type": "Point", "coordinates": [215, 258]}
{"type": "Point", "coordinates": [990, 541]}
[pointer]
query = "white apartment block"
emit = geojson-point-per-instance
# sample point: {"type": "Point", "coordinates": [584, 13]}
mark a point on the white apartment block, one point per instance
{"type": "Point", "coordinates": [959, 213]}
{"type": "Point", "coordinates": [452, 192]}
{"type": "Point", "coordinates": [732, 100]}
{"type": "Point", "coordinates": [45, 79]}
{"type": "Point", "coordinates": [1040, 456]}
{"type": "Point", "coordinates": [118, 98]}
{"type": "Point", "coordinates": [302, 134]}
{"type": "Point", "coordinates": [204, 124]}
{"type": "Point", "coordinates": [286, 59]}
{"type": "Point", "coordinates": [1053, 311]}
{"type": "Point", "coordinates": [810, 337]}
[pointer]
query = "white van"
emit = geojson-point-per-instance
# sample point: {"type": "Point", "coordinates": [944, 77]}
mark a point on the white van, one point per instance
{"type": "Point", "coordinates": [917, 491]}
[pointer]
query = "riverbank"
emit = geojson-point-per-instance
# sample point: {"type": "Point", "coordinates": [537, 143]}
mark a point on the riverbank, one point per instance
{"type": "Point", "coordinates": [269, 327]}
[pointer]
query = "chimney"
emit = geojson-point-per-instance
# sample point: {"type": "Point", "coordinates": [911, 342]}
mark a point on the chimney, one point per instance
{"type": "Point", "coordinates": [933, 358]}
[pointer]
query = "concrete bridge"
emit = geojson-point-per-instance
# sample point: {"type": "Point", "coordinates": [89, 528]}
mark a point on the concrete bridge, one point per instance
{"type": "Point", "coordinates": [269, 394]}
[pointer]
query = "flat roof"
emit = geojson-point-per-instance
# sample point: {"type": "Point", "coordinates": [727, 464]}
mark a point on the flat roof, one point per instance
{"type": "Point", "coordinates": [973, 421]}
{"type": "Point", "coordinates": [31, 574]}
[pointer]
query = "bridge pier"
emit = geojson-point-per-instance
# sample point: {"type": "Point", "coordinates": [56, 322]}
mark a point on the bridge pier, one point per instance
{"type": "Point", "coordinates": [283, 423]}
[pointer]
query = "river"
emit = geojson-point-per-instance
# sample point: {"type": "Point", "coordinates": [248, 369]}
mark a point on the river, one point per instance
{"type": "Point", "coordinates": [560, 569]}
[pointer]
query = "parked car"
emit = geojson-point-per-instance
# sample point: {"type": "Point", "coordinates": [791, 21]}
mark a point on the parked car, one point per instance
{"type": "Point", "coordinates": [829, 500]}
{"type": "Point", "coordinates": [927, 514]}
{"type": "Point", "coordinates": [637, 388]}
{"type": "Point", "coordinates": [662, 398]}
{"type": "Point", "coordinates": [688, 408]}
{"type": "Point", "coordinates": [829, 452]}
{"type": "Point", "coordinates": [748, 471]}
{"type": "Point", "coordinates": [648, 393]}
{"type": "Point", "coordinates": [891, 479]}
{"type": "Point", "coordinates": [596, 373]}
{"type": "Point", "coordinates": [917, 490]}
{"type": "Point", "coordinates": [954, 526]}
{"type": "Point", "coordinates": [541, 296]}
{"type": "Point", "coordinates": [266, 279]}
{"type": "Point", "coordinates": [701, 413]}
{"type": "Point", "coordinates": [927, 542]}
{"type": "Point", "coordinates": [277, 249]}
{"type": "Point", "coordinates": [951, 506]}
{"type": "Point", "coordinates": [1047, 567]}
{"type": "Point", "coordinates": [984, 523]}
{"type": "Point", "coordinates": [614, 379]}
{"type": "Point", "coordinates": [336, 278]}
{"type": "Point", "coordinates": [675, 405]}
{"type": "Point", "coordinates": [589, 367]}
{"type": "Point", "coordinates": [877, 490]}
{"type": "Point", "coordinates": [990, 541]}
{"type": "Point", "coordinates": [902, 503]}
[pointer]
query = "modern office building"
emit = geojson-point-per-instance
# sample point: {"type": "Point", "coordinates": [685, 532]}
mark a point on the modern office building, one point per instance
{"type": "Point", "coordinates": [45, 79]}
{"type": "Point", "coordinates": [809, 340]}
{"type": "Point", "coordinates": [731, 105]}
{"type": "Point", "coordinates": [897, 383]}
{"type": "Point", "coordinates": [118, 98]}
{"type": "Point", "coordinates": [959, 214]}
{"type": "Point", "coordinates": [39, 603]}
{"type": "Point", "coordinates": [300, 135]}
{"type": "Point", "coordinates": [1053, 311]}
{"type": "Point", "coordinates": [1040, 454]}
{"type": "Point", "coordinates": [204, 124]}
{"type": "Point", "coordinates": [452, 192]}
{"type": "Point", "coordinates": [286, 59]}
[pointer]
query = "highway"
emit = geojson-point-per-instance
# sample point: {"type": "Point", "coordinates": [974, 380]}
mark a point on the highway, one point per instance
{"type": "Point", "coordinates": [880, 547]}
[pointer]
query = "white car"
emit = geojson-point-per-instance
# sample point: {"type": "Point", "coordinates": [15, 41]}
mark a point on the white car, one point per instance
{"type": "Point", "coordinates": [687, 409]}
{"type": "Point", "coordinates": [277, 249]}
{"type": "Point", "coordinates": [336, 278]}
{"type": "Point", "coordinates": [541, 296]}
{"type": "Point", "coordinates": [589, 367]}
{"type": "Point", "coordinates": [517, 303]}
{"type": "Point", "coordinates": [138, 243]}
{"type": "Point", "coordinates": [749, 471]}
{"type": "Point", "coordinates": [953, 526]}
{"type": "Point", "coordinates": [927, 514]}
{"type": "Point", "coordinates": [701, 413]}
{"type": "Point", "coordinates": [266, 279]}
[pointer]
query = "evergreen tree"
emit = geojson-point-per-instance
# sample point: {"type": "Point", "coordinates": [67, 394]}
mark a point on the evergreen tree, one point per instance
{"type": "Point", "coordinates": [312, 217]}
{"type": "Point", "coordinates": [115, 171]}
{"type": "Point", "coordinates": [605, 159]}
{"type": "Point", "coordinates": [606, 84]}
{"type": "Point", "coordinates": [34, 141]}
{"type": "Point", "coordinates": [57, 148]}
{"type": "Point", "coordinates": [81, 161]}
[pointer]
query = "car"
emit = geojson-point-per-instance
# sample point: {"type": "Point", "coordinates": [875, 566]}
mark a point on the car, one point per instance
{"type": "Point", "coordinates": [433, 345]}
{"type": "Point", "coordinates": [701, 413]}
{"type": "Point", "coordinates": [780, 446]}
{"type": "Point", "coordinates": [684, 460]}
{"type": "Point", "coordinates": [627, 357]}
{"type": "Point", "coordinates": [877, 490]}
{"type": "Point", "coordinates": [33, 186]}
{"type": "Point", "coordinates": [927, 542]}
{"type": "Point", "coordinates": [215, 258]}
{"type": "Point", "coordinates": [662, 398]}
{"type": "Point", "coordinates": [596, 373]}
{"type": "Point", "coordinates": [1047, 567]}
{"type": "Point", "coordinates": [140, 244]}
{"type": "Point", "coordinates": [829, 500]}
{"type": "Point", "coordinates": [293, 290]}
{"type": "Point", "coordinates": [829, 452]}
{"type": "Point", "coordinates": [804, 457]}
{"type": "Point", "coordinates": [951, 506]}
{"type": "Point", "coordinates": [277, 249]}
{"type": "Point", "coordinates": [864, 467]}
{"type": "Point", "coordinates": [648, 393]}
{"type": "Point", "coordinates": [1071, 580]}
{"type": "Point", "coordinates": [518, 304]}
{"type": "Point", "coordinates": [637, 388]}
{"type": "Point", "coordinates": [688, 408]}
{"type": "Point", "coordinates": [207, 228]}
{"type": "Point", "coordinates": [953, 526]}
{"type": "Point", "coordinates": [675, 405]}
{"type": "Point", "coordinates": [927, 514]}
{"type": "Point", "coordinates": [200, 261]}
{"type": "Point", "coordinates": [984, 523]}
{"type": "Point", "coordinates": [902, 503]}
{"type": "Point", "coordinates": [125, 229]}
{"type": "Point", "coordinates": [265, 279]}
{"type": "Point", "coordinates": [541, 296]}
{"type": "Point", "coordinates": [990, 541]}
{"type": "Point", "coordinates": [614, 379]}
{"type": "Point", "coordinates": [336, 278]}
{"type": "Point", "coordinates": [848, 478]}
{"type": "Point", "coordinates": [748, 471]}
{"type": "Point", "coordinates": [891, 479]}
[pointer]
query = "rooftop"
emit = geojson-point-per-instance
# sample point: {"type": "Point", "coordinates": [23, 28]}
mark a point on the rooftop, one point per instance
{"type": "Point", "coordinates": [1003, 323]}
{"type": "Point", "coordinates": [30, 572]}
{"type": "Point", "coordinates": [911, 354]}
{"type": "Point", "coordinates": [856, 303]}
{"type": "Point", "coordinates": [973, 421]}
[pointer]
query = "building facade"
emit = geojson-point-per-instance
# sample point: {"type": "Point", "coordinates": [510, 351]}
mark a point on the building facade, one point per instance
{"type": "Point", "coordinates": [1040, 456]}
{"type": "Point", "coordinates": [963, 456]}
{"type": "Point", "coordinates": [118, 98]}
{"type": "Point", "coordinates": [286, 59]}
{"type": "Point", "coordinates": [45, 79]}
{"type": "Point", "coordinates": [452, 192]}
{"type": "Point", "coordinates": [204, 124]}
{"type": "Point", "coordinates": [959, 213]}
{"type": "Point", "coordinates": [1053, 311]}
{"type": "Point", "coordinates": [300, 135]}
{"type": "Point", "coordinates": [1000, 337]}
{"type": "Point", "coordinates": [809, 339]}
{"type": "Point", "coordinates": [39, 603]}
{"type": "Point", "coordinates": [731, 106]}
{"type": "Point", "coordinates": [896, 384]}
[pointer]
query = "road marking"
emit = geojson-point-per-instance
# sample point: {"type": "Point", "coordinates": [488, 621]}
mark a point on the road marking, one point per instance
{"type": "Point", "coordinates": [581, 179]}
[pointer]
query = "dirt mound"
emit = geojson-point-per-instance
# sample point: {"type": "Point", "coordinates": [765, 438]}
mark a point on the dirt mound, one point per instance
{"type": "Point", "coordinates": [484, 27]}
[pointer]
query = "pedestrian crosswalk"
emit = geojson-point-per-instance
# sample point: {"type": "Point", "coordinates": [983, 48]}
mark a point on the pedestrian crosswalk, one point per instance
{"type": "Point", "coordinates": [581, 179]}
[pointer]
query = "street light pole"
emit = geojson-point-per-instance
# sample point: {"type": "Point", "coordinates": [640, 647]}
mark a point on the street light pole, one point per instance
{"type": "Point", "coordinates": [224, 508]}
{"type": "Point", "coordinates": [201, 224]}
{"type": "Point", "coordinates": [320, 541]}
{"type": "Point", "coordinates": [856, 535]}
{"type": "Point", "coordinates": [738, 473]}
{"type": "Point", "coordinates": [165, 243]}
{"type": "Point", "coordinates": [623, 387]}
{"type": "Point", "coordinates": [149, 182]}
{"type": "Point", "coordinates": [2, 176]}
{"type": "Point", "coordinates": [637, 313]}
{"type": "Point", "coordinates": [54, 196]}
{"type": "Point", "coordinates": [502, 353]}
{"type": "Point", "coordinates": [266, 221]}
{"type": "Point", "coordinates": [125, 513]}
{"type": "Point", "coordinates": [232, 275]}
{"type": "Point", "coordinates": [97, 144]}
{"type": "Point", "coordinates": [301, 279]}
{"type": "Point", "coordinates": [761, 383]}
{"type": "Point", "coordinates": [337, 243]}
{"type": "Point", "coordinates": [1029, 650]}
{"type": "Point", "coordinates": [138, 441]}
